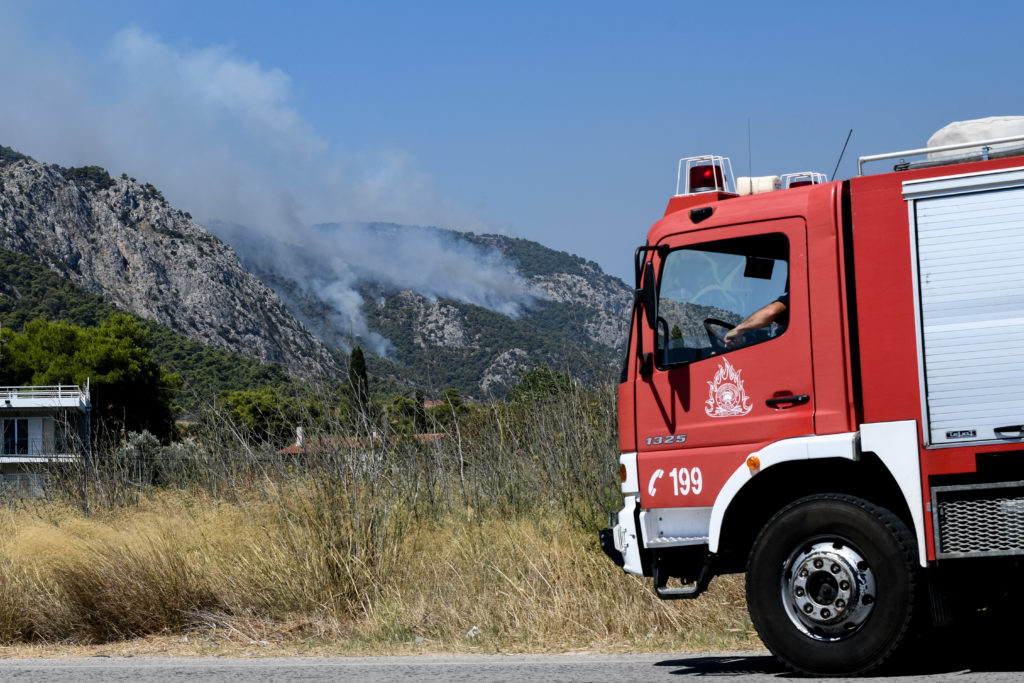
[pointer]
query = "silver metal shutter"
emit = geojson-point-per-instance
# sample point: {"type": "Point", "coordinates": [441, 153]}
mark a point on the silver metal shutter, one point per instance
{"type": "Point", "coordinates": [970, 261]}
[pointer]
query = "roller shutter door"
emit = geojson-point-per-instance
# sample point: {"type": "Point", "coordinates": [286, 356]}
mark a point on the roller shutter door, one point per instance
{"type": "Point", "coordinates": [970, 251]}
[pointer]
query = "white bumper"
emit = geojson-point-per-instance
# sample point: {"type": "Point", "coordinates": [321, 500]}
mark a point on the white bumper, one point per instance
{"type": "Point", "coordinates": [627, 541]}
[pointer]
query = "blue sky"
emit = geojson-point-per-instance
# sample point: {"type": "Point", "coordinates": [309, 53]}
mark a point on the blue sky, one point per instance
{"type": "Point", "coordinates": [560, 122]}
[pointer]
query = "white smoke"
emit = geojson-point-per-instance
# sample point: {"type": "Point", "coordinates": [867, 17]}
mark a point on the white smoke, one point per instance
{"type": "Point", "coordinates": [329, 262]}
{"type": "Point", "coordinates": [432, 262]}
{"type": "Point", "coordinates": [221, 137]}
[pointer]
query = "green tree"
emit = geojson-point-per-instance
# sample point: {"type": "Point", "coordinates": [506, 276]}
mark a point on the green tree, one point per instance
{"type": "Point", "coordinates": [540, 384]}
{"type": "Point", "coordinates": [266, 414]}
{"type": "Point", "coordinates": [9, 156]}
{"type": "Point", "coordinates": [203, 369]}
{"type": "Point", "coordinates": [420, 420]}
{"type": "Point", "coordinates": [451, 397]}
{"type": "Point", "coordinates": [94, 177]}
{"type": "Point", "coordinates": [450, 409]}
{"type": "Point", "coordinates": [358, 380]}
{"type": "Point", "coordinates": [130, 391]}
{"type": "Point", "coordinates": [401, 414]}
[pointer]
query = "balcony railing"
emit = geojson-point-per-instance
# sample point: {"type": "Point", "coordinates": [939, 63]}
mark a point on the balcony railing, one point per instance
{"type": "Point", "coordinates": [54, 391]}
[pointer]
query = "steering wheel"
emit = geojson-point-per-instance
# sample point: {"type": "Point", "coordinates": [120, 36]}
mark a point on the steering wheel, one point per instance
{"type": "Point", "coordinates": [717, 330]}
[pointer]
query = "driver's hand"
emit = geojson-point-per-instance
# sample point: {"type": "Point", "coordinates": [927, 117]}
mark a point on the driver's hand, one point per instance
{"type": "Point", "coordinates": [733, 338]}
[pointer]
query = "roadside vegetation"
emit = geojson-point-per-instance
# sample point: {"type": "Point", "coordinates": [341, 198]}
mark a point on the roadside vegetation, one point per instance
{"type": "Point", "coordinates": [370, 540]}
{"type": "Point", "coordinates": [403, 523]}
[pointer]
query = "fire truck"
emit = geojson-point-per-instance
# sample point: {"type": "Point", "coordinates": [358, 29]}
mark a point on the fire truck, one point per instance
{"type": "Point", "coordinates": [823, 389]}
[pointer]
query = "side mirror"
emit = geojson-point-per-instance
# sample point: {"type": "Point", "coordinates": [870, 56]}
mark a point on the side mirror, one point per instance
{"type": "Point", "coordinates": [645, 296]}
{"type": "Point", "coordinates": [648, 297]}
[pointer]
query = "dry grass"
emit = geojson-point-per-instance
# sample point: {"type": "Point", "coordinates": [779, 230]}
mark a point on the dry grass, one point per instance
{"type": "Point", "coordinates": [232, 575]}
{"type": "Point", "coordinates": [536, 584]}
{"type": "Point", "coordinates": [390, 546]}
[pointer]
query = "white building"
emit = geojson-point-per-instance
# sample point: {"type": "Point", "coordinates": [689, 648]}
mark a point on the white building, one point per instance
{"type": "Point", "coordinates": [41, 425]}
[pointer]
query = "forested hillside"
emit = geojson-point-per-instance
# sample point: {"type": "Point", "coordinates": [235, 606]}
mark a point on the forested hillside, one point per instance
{"type": "Point", "coordinates": [575, 322]}
{"type": "Point", "coordinates": [29, 291]}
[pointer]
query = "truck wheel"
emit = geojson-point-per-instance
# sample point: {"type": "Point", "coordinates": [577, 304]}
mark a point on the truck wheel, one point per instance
{"type": "Point", "coordinates": [831, 584]}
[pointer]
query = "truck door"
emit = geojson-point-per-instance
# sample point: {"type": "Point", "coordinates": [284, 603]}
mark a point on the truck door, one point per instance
{"type": "Point", "coordinates": [713, 397]}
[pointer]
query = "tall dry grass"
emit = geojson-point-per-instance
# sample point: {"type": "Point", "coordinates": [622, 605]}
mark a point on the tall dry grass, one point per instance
{"type": "Point", "coordinates": [374, 543]}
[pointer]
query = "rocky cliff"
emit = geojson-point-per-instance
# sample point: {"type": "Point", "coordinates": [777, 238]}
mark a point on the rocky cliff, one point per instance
{"type": "Point", "coordinates": [122, 240]}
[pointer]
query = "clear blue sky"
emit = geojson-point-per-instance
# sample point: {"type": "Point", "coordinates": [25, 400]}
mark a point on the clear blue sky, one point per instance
{"type": "Point", "coordinates": [561, 122]}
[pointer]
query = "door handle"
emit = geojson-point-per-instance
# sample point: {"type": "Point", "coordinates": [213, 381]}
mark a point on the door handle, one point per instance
{"type": "Point", "coordinates": [788, 400]}
{"type": "Point", "coordinates": [1009, 432]}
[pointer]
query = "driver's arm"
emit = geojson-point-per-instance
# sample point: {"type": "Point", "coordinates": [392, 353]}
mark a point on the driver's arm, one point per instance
{"type": "Point", "coordinates": [762, 317]}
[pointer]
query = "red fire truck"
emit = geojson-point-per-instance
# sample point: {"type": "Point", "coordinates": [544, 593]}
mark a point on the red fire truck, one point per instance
{"type": "Point", "coordinates": [823, 389]}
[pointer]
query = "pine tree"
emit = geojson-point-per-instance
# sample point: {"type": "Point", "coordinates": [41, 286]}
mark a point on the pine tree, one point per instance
{"type": "Point", "coordinates": [358, 379]}
{"type": "Point", "coordinates": [421, 413]}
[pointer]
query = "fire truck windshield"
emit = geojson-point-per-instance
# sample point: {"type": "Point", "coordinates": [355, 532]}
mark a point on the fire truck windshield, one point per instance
{"type": "Point", "coordinates": [720, 296]}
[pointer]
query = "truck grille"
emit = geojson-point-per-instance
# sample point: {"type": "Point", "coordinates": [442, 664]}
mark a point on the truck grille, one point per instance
{"type": "Point", "coordinates": [980, 520]}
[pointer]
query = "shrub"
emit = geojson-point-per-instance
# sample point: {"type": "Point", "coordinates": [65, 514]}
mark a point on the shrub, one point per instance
{"type": "Point", "coordinates": [94, 177]}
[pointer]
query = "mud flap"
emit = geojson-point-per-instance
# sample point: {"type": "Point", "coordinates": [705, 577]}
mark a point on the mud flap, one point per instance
{"type": "Point", "coordinates": [607, 539]}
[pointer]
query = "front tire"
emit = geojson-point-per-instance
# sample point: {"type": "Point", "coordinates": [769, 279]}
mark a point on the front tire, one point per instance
{"type": "Point", "coordinates": [831, 583]}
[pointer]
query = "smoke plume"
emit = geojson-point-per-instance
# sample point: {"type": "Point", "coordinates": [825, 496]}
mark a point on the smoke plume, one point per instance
{"type": "Point", "coordinates": [221, 137]}
{"type": "Point", "coordinates": [329, 262]}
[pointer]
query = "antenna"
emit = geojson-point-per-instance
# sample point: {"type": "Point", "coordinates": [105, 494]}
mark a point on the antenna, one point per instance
{"type": "Point", "coordinates": [841, 154]}
{"type": "Point", "coordinates": [750, 155]}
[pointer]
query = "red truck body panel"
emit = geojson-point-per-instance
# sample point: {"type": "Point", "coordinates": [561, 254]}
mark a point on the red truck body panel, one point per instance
{"type": "Point", "coordinates": [669, 403]}
{"type": "Point", "coordinates": [859, 368]}
{"type": "Point", "coordinates": [822, 389]}
{"type": "Point", "coordinates": [890, 382]}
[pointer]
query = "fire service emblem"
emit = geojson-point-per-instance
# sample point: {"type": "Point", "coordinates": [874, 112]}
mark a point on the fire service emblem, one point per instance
{"type": "Point", "coordinates": [726, 397]}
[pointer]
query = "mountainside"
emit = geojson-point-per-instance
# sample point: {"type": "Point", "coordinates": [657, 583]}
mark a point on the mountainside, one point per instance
{"type": "Point", "coordinates": [576, 323]}
{"type": "Point", "coordinates": [599, 301]}
{"type": "Point", "coordinates": [120, 239]}
{"type": "Point", "coordinates": [29, 290]}
{"type": "Point", "coordinates": [433, 308]}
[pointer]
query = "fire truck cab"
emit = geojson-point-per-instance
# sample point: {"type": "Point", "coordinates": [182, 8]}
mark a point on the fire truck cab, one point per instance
{"type": "Point", "coordinates": [823, 389]}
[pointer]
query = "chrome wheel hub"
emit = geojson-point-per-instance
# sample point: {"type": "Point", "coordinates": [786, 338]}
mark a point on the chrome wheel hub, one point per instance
{"type": "Point", "coordinates": [828, 590]}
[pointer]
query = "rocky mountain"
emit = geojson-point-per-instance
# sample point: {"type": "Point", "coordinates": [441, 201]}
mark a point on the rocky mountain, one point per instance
{"type": "Point", "coordinates": [120, 239]}
{"type": "Point", "coordinates": [601, 299]}
{"type": "Point", "coordinates": [576, 323]}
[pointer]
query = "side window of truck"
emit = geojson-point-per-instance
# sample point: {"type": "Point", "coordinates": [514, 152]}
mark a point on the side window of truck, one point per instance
{"type": "Point", "coordinates": [717, 297]}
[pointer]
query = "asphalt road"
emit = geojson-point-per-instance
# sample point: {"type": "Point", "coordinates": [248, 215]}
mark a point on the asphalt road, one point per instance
{"type": "Point", "coordinates": [738, 666]}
